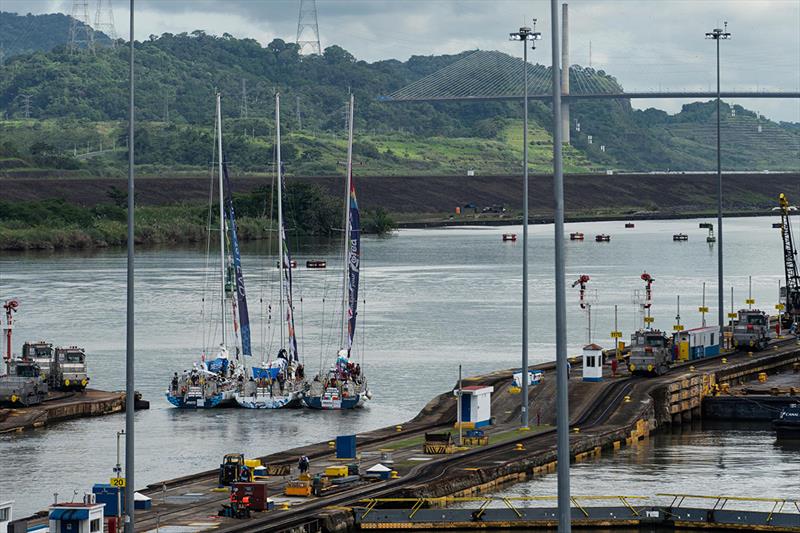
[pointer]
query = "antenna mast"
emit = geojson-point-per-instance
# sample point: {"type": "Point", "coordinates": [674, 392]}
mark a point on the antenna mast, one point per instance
{"type": "Point", "coordinates": [81, 34]}
{"type": "Point", "coordinates": [308, 29]}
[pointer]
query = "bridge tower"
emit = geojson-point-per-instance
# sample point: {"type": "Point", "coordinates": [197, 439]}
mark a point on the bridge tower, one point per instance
{"type": "Point", "coordinates": [308, 29]}
{"type": "Point", "coordinates": [565, 124]}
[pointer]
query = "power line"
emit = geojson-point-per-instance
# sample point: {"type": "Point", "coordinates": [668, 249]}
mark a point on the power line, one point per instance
{"type": "Point", "coordinates": [308, 28]}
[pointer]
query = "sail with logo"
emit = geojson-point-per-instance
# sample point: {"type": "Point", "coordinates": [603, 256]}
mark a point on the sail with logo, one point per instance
{"type": "Point", "coordinates": [344, 385]}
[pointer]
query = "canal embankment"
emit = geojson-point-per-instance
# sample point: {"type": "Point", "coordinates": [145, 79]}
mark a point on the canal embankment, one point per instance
{"type": "Point", "coordinates": [59, 407]}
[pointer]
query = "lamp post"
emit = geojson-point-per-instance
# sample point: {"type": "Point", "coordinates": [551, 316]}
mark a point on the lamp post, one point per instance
{"type": "Point", "coordinates": [524, 35]}
{"type": "Point", "coordinates": [130, 487]}
{"type": "Point", "coordinates": [718, 34]}
{"type": "Point", "coordinates": [562, 371]}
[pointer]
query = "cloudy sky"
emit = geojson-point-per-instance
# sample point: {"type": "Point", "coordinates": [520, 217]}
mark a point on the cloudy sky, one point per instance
{"type": "Point", "coordinates": [646, 44]}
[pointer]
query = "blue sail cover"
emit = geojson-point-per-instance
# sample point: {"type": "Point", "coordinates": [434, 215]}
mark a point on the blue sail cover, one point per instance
{"type": "Point", "coordinates": [354, 264]}
{"type": "Point", "coordinates": [286, 257]}
{"type": "Point", "coordinates": [241, 295]}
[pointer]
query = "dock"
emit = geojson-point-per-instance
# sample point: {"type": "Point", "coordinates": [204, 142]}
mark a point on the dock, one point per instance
{"type": "Point", "coordinates": [757, 400]}
{"type": "Point", "coordinates": [605, 416]}
{"type": "Point", "coordinates": [60, 406]}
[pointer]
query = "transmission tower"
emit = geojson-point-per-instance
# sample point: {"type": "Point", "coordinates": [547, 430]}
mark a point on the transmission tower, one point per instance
{"type": "Point", "coordinates": [27, 103]}
{"type": "Point", "coordinates": [243, 106]}
{"type": "Point", "coordinates": [81, 35]}
{"type": "Point", "coordinates": [104, 20]}
{"type": "Point", "coordinates": [308, 29]}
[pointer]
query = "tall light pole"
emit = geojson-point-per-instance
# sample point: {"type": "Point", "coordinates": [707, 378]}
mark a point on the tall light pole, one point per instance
{"type": "Point", "coordinates": [525, 34]}
{"type": "Point", "coordinates": [562, 377]}
{"type": "Point", "coordinates": [129, 383]}
{"type": "Point", "coordinates": [719, 34]}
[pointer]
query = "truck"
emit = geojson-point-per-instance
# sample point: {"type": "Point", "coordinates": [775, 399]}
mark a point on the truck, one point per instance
{"type": "Point", "coordinates": [751, 330]}
{"type": "Point", "coordinates": [64, 368]}
{"type": "Point", "coordinates": [651, 353]}
{"type": "Point", "coordinates": [23, 385]}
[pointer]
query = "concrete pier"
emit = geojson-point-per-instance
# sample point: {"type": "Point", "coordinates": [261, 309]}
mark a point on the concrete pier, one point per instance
{"type": "Point", "coordinates": [61, 406]}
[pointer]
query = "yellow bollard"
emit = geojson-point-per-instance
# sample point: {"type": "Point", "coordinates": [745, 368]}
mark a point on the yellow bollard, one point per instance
{"type": "Point", "coordinates": [331, 444]}
{"type": "Point", "coordinates": [519, 447]}
{"type": "Point", "coordinates": [627, 399]}
{"type": "Point", "coordinates": [285, 506]}
{"type": "Point", "coordinates": [762, 377]}
{"type": "Point", "coordinates": [576, 430]}
{"type": "Point", "coordinates": [691, 368]}
{"type": "Point", "coordinates": [394, 474]}
{"type": "Point", "coordinates": [725, 360]}
{"type": "Point", "coordinates": [398, 428]}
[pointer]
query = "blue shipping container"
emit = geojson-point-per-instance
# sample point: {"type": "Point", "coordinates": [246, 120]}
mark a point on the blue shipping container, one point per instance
{"type": "Point", "coordinates": [346, 447]}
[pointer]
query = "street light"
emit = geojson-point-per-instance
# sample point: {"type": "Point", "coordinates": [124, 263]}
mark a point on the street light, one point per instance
{"type": "Point", "coordinates": [525, 34]}
{"type": "Point", "coordinates": [718, 34]}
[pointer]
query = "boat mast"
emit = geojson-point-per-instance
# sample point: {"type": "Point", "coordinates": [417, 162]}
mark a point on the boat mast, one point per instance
{"type": "Point", "coordinates": [282, 240]}
{"type": "Point", "coordinates": [346, 262]}
{"type": "Point", "coordinates": [221, 213]}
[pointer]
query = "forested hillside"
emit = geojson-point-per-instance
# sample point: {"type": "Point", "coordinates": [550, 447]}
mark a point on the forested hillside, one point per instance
{"type": "Point", "coordinates": [32, 33]}
{"type": "Point", "coordinates": [77, 103]}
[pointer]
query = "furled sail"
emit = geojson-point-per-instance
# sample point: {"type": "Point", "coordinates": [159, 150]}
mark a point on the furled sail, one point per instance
{"type": "Point", "coordinates": [286, 257]}
{"type": "Point", "coordinates": [241, 295]}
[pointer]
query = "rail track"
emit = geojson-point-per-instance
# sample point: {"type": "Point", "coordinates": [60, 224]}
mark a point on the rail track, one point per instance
{"type": "Point", "coordinates": [595, 415]}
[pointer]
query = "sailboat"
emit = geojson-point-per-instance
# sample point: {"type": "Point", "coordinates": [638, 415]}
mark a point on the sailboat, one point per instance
{"type": "Point", "coordinates": [344, 385]}
{"type": "Point", "coordinates": [212, 383]}
{"type": "Point", "coordinates": [279, 383]}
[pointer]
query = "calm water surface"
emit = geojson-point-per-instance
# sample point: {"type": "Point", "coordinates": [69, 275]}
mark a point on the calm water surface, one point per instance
{"type": "Point", "coordinates": [433, 299]}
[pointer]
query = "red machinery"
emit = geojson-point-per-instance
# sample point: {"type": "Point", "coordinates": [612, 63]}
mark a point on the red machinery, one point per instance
{"type": "Point", "coordinates": [648, 290]}
{"type": "Point", "coordinates": [11, 307]}
{"type": "Point", "coordinates": [582, 281]}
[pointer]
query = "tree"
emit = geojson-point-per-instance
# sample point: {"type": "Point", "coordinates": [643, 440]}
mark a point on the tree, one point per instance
{"type": "Point", "coordinates": [337, 55]}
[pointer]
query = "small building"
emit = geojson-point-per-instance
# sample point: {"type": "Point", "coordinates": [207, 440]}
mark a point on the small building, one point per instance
{"type": "Point", "coordinates": [696, 343]}
{"type": "Point", "coordinates": [379, 471]}
{"type": "Point", "coordinates": [476, 406]}
{"type": "Point", "coordinates": [83, 517]}
{"type": "Point", "coordinates": [592, 362]}
{"type": "Point", "coordinates": [5, 515]}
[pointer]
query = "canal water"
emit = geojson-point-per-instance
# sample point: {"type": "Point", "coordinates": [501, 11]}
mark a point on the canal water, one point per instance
{"type": "Point", "coordinates": [432, 299]}
{"type": "Point", "coordinates": [712, 458]}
